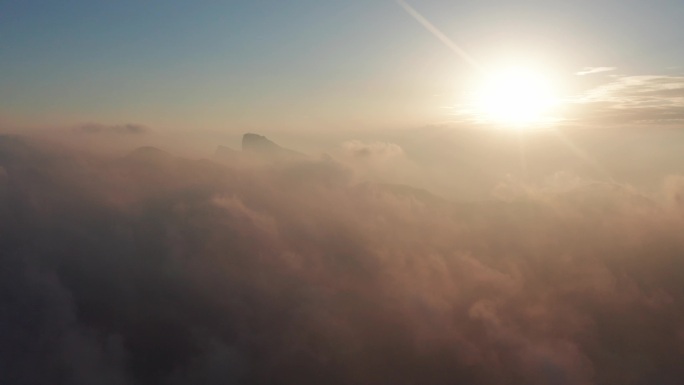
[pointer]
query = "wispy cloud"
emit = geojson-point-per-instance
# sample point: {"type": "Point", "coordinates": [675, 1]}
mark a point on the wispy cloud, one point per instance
{"type": "Point", "coordinates": [595, 70]}
{"type": "Point", "coordinates": [635, 99]}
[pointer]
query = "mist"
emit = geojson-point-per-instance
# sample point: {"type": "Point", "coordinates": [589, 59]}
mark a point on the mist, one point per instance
{"type": "Point", "coordinates": [270, 266]}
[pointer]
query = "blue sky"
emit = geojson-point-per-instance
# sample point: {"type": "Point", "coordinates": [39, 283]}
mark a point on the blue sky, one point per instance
{"type": "Point", "coordinates": [225, 65]}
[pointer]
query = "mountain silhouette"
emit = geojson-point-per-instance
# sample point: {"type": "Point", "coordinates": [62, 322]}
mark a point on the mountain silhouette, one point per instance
{"type": "Point", "coordinates": [259, 143]}
{"type": "Point", "coordinates": [226, 154]}
{"type": "Point", "coordinates": [262, 147]}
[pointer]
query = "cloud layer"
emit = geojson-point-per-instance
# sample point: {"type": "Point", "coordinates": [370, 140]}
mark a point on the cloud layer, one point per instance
{"type": "Point", "coordinates": [154, 269]}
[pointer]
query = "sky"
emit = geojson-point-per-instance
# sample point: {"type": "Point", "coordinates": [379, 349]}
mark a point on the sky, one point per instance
{"type": "Point", "coordinates": [237, 66]}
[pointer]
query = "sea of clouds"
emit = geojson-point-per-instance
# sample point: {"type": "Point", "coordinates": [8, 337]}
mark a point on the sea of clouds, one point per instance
{"type": "Point", "coordinates": [157, 269]}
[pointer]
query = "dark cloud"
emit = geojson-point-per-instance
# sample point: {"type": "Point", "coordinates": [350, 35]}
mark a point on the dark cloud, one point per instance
{"type": "Point", "coordinates": [122, 129]}
{"type": "Point", "coordinates": [154, 269]}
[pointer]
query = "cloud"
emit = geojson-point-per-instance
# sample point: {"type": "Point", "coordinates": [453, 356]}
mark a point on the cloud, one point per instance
{"type": "Point", "coordinates": [121, 129]}
{"type": "Point", "coordinates": [594, 70]}
{"type": "Point", "coordinates": [380, 162]}
{"type": "Point", "coordinates": [155, 269]}
{"type": "Point", "coordinates": [374, 150]}
{"type": "Point", "coordinates": [634, 100]}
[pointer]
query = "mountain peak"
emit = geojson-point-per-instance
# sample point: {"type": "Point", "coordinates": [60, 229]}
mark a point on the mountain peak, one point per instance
{"type": "Point", "coordinates": [265, 148]}
{"type": "Point", "coordinates": [259, 143]}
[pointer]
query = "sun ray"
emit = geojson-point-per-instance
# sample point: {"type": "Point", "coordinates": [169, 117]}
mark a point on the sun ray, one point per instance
{"type": "Point", "coordinates": [583, 155]}
{"type": "Point", "coordinates": [440, 35]}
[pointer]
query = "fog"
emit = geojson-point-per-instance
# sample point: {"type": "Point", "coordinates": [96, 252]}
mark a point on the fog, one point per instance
{"type": "Point", "coordinates": [413, 258]}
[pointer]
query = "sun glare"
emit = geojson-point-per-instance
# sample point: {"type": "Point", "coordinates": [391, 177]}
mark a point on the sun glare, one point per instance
{"type": "Point", "coordinates": [516, 97]}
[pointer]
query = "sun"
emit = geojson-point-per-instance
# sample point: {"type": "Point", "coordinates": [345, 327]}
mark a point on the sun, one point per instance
{"type": "Point", "coordinates": [515, 98]}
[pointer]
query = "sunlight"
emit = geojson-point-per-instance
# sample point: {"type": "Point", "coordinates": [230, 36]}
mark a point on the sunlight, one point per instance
{"type": "Point", "coordinates": [515, 97]}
